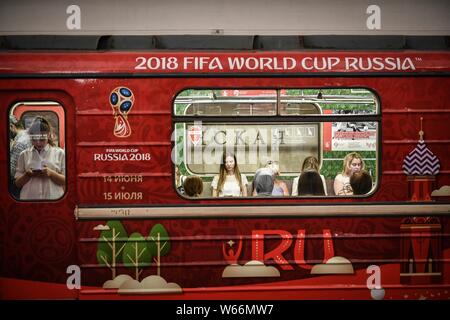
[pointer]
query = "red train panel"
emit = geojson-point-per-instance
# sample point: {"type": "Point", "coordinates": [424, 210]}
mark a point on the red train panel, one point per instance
{"type": "Point", "coordinates": [120, 193]}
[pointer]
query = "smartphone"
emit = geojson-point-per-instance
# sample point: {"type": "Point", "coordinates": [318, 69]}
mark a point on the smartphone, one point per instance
{"type": "Point", "coordinates": [37, 170]}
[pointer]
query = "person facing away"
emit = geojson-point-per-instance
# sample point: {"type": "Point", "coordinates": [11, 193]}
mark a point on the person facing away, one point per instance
{"type": "Point", "coordinates": [40, 170]}
{"type": "Point", "coordinates": [193, 186]}
{"type": "Point", "coordinates": [280, 188]}
{"type": "Point", "coordinates": [263, 182]}
{"type": "Point", "coordinates": [20, 140]}
{"type": "Point", "coordinates": [310, 184]}
{"type": "Point", "coordinates": [352, 163]}
{"type": "Point", "coordinates": [309, 164]}
{"type": "Point", "coordinates": [230, 182]}
{"type": "Point", "coordinates": [361, 182]}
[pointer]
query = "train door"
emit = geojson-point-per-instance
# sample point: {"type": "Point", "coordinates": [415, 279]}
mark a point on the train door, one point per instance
{"type": "Point", "coordinates": [37, 212]}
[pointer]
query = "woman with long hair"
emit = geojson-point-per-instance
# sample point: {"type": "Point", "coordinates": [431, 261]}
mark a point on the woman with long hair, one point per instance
{"type": "Point", "coordinates": [310, 184]}
{"type": "Point", "coordinates": [352, 163]}
{"type": "Point", "coordinates": [309, 164]}
{"type": "Point", "coordinates": [40, 170]}
{"type": "Point", "coordinates": [230, 182]}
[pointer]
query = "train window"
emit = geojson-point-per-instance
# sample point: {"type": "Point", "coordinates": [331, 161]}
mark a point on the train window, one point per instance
{"type": "Point", "coordinates": [310, 146]}
{"type": "Point", "coordinates": [334, 102]}
{"type": "Point", "coordinates": [226, 103]}
{"type": "Point", "coordinates": [37, 166]}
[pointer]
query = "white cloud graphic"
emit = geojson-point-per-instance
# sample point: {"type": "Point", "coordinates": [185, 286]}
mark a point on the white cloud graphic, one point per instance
{"type": "Point", "coordinates": [250, 270]}
{"type": "Point", "coordinates": [443, 191]}
{"type": "Point", "coordinates": [101, 227]}
{"type": "Point", "coordinates": [117, 282]}
{"type": "Point", "coordinates": [335, 265]}
{"type": "Point", "coordinates": [150, 285]}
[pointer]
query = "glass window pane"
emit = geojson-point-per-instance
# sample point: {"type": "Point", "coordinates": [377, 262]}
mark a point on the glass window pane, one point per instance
{"type": "Point", "coordinates": [328, 102]}
{"type": "Point", "coordinates": [295, 148]}
{"type": "Point", "coordinates": [226, 103]}
{"type": "Point", "coordinates": [37, 166]}
{"type": "Point", "coordinates": [298, 108]}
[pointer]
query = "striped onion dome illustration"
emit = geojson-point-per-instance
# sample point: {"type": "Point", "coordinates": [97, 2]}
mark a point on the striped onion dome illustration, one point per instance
{"type": "Point", "coordinates": [421, 161]}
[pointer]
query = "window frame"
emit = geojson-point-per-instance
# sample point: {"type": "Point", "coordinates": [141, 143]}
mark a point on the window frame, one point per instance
{"type": "Point", "coordinates": [320, 119]}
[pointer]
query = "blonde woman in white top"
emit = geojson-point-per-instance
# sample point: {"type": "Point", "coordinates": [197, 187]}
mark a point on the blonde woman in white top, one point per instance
{"type": "Point", "coordinates": [40, 170]}
{"type": "Point", "coordinates": [309, 164]}
{"type": "Point", "coordinates": [230, 182]}
{"type": "Point", "coordinates": [352, 163]}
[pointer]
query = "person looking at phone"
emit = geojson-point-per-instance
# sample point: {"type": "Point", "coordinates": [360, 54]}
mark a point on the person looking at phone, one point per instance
{"type": "Point", "coordinates": [40, 170]}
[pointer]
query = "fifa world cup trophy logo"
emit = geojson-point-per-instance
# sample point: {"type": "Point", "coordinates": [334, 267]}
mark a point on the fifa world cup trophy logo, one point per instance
{"type": "Point", "coordinates": [121, 100]}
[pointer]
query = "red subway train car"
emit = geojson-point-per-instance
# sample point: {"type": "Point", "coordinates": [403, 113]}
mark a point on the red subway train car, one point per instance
{"type": "Point", "coordinates": [225, 175]}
